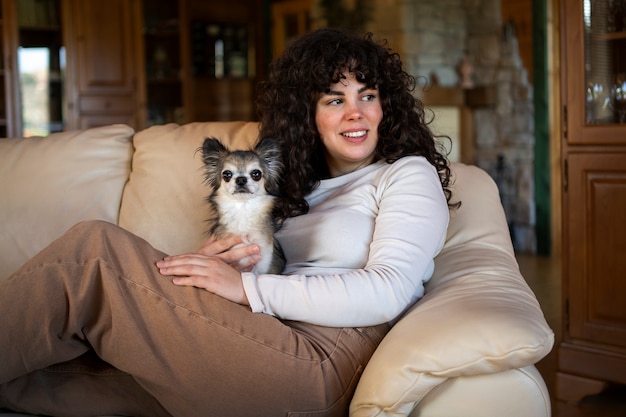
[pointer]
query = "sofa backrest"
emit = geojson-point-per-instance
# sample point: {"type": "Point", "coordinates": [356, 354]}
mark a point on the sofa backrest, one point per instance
{"type": "Point", "coordinates": [49, 184]}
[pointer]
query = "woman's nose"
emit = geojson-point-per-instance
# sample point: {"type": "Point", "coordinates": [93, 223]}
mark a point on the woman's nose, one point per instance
{"type": "Point", "coordinates": [353, 111]}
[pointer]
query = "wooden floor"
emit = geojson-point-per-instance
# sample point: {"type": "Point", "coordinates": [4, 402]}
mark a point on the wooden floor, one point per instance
{"type": "Point", "coordinates": [543, 274]}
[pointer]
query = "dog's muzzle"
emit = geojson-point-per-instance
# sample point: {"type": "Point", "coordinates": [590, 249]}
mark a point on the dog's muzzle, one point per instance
{"type": "Point", "coordinates": [241, 185]}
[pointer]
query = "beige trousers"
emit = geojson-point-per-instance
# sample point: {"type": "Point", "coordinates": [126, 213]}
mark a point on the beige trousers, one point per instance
{"type": "Point", "coordinates": [90, 327]}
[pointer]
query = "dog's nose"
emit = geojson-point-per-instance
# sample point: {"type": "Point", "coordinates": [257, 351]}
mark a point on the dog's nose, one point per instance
{"type": "Point", "coordinates": [241, 181]}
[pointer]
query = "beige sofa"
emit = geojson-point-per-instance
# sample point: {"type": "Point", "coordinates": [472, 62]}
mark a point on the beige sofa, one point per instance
{"type": "Point", "coordinates": [466, 349]}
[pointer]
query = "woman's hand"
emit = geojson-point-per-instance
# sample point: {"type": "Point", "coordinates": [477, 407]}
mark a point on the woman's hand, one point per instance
{"type": "Point", "coordinates": [211, 268]}
{"type": "Point", "coordinates": [234, 250]}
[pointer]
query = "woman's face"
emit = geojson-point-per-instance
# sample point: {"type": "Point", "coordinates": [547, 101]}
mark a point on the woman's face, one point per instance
{"type": "Point", "coordinates": [347, 119]}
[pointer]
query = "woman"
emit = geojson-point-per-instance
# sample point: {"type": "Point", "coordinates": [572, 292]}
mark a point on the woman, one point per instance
{"type": "Point", "coordinates": [364, 211]}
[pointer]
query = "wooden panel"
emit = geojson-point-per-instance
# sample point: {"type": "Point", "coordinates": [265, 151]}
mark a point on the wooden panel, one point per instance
{"type": "Point", "coordinates": [437, 95]}
{"type": "Point", "coordinates": [593, 363]}
{"type": "Point", "coordinates": [223, 100]}
{"type": "Point", "coordinates": [597, 244]}
{"type": "Point", "coordinates": [103, 33]}
{"type": "Point", "coordinates": [572, 388]}
{"type": "Point", "coordinates": [106, 104]}
{"type": "Point", "coordinates": [101, 72]}
{"type": "Point", "coordinates": [89, 121]}
{"type": "Point", "coordinates": [235, 11]}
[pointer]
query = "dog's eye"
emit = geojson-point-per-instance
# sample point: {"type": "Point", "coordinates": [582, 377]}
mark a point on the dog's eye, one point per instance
{"type": "Point", "coordinates": [227, 175]}
{"type": "Point", "coordinates": [256, 174]}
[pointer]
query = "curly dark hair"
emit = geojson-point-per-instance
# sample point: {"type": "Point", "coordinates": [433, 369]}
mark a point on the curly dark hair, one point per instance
{"type": "Point", "coordinates": [287, 102]}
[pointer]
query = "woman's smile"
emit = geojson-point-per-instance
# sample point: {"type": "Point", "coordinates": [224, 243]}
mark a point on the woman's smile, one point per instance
{"type": "Point", "coordinates": [355, 136]}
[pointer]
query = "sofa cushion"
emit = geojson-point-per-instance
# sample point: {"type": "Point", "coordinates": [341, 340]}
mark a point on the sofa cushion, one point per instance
{"type": "Point", "coordinates": [164, 200]}
{"type": "Point", "coordinates": [49, 184]}
{"type": "Point", "coordinates": [478, 315]}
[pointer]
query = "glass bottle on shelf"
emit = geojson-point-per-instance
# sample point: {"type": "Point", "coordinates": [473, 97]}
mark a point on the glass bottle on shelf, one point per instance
{"type": "Point", "coordinates": [219, 50]}
{"type": "Point", "coordinates": [605, 61]}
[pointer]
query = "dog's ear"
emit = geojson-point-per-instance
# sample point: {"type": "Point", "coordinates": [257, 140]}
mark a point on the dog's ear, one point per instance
{"type": "Point", "coordinates": [213, 155]}
{"type": "Point", "coordinates": [269, 151]}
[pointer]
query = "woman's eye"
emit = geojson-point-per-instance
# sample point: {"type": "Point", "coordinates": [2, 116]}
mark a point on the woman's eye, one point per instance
{"type": "Point", "coordinates": [335, 102]}
{"type": "Point", "coordinates": [227, 175]}
{"type": "Point", "coordinates": [256, 174]}
{"type": "Point", "coordinates": [369, 97]}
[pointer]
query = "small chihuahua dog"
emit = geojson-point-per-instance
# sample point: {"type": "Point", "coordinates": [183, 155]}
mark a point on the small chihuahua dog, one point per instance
{"type": "Point", "coordinates": [244, 185]}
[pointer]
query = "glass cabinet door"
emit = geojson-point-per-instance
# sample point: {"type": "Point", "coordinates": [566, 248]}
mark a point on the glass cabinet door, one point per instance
{"type": "Point", "coordinates": [595, 48]}
{"type": "Point", "coordinates": [605, 61]}
{"type": "Point", "coordinates": [162, 27]}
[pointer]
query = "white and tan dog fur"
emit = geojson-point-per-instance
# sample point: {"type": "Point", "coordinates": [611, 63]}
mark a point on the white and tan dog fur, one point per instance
{"type": "Point", "coordinates": [244, 185]}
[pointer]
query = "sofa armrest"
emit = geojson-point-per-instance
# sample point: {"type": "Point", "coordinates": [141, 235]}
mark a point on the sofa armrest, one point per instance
{"type": "Point", "coordinates": [514, 393]}
{"type": "Point", "coordinates": [478, 315]}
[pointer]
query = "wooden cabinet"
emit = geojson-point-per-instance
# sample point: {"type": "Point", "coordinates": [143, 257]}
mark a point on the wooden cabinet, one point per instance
{"type": "Point", "coordinates": [7, 67]}
{"type": "Point", "coordinates": [102, 82]}
{"type": "Point", "coordinates": [593, 351]}
{"type": "Point", "coordinates": [67, 64]}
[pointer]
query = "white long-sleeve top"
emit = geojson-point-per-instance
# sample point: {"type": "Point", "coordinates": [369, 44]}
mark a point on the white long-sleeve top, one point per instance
{"type": "Point", "coordinates": [362, 253]}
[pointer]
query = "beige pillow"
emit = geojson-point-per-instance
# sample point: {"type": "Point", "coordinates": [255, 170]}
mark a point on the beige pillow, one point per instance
{"type": "Point", "coordinates": [49, 184]}
{"type": "Point", "coordinates": [164, 200]}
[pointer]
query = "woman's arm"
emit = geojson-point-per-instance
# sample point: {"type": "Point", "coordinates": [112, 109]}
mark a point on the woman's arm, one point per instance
{"type": "Point", "coordinates": [409, 230]}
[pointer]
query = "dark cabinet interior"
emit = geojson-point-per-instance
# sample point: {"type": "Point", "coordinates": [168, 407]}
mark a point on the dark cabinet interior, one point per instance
{"type": "Point", "coordinates": [163, 57]}
{"type": "Point", "coordinates": [202, 59]}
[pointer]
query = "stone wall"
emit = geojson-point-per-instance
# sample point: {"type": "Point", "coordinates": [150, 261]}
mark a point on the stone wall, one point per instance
{"type": "Point", "coordinates": [431, 35]}
{"type": "Point", "coordinates": [504, 131]}
{"type": "Point", "coordinates": [432, 38]}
